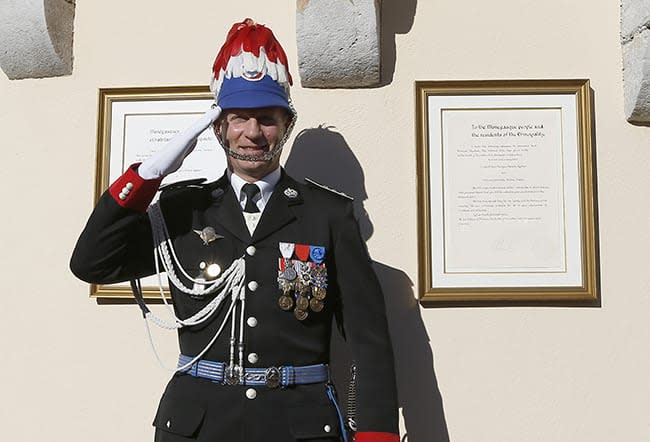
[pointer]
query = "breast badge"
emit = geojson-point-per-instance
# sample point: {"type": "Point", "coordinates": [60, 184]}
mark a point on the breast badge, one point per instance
{"type": "Point", "coordinates": [302, 279]}
{"type": "Point", "coordinates": [207, 235]}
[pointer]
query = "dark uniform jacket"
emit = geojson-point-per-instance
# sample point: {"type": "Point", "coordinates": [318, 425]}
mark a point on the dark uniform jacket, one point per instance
{"type": "Point", "coordinates": [116, 245]}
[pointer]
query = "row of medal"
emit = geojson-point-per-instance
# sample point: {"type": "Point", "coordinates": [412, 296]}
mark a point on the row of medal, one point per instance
{"type": "Point", "coordinates": [303, 281]}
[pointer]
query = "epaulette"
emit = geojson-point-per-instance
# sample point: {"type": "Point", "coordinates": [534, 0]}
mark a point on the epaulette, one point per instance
{"type": "Point", "coordinates": [186, 183]}
{"type": "Point", "coordinates": [183, 192]}
{"type": "Point", "coordinates": [329, 189]}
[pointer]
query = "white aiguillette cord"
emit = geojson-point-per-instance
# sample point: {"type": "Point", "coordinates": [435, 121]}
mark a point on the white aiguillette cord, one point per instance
{"type": "Point", "coordinates": [231, 281]}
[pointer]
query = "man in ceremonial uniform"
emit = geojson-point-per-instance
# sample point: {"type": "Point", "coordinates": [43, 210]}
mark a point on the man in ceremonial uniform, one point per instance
{"type": "Point", "coordinates": [259, 267]}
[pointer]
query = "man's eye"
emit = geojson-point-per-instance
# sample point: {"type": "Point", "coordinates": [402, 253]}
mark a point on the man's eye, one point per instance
{"type": "Point", "coordinates": [267, 121]}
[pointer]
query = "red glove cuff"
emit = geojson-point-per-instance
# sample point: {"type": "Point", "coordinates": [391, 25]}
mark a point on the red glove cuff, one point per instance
{"type": "Point", "coordinates": [131, 191]}
{"type": "Point", "coordinates": [374, 436]}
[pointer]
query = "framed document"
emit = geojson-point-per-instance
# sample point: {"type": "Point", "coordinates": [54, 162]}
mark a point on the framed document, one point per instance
{"type": "Point", "coordinates": [505, 192]}
{"type": "Point", "coordinates": [134, 123]}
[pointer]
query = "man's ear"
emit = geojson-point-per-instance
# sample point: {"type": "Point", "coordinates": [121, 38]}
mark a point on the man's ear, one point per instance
{"type": "Point", "coordinates": [219, 128]}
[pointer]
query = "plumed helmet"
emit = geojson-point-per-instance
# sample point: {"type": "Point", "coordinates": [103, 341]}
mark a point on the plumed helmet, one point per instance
{"type": "Point", "coordinates": [251, 69]}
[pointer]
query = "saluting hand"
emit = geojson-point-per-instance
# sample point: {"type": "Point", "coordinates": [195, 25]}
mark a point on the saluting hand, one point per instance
{"type": "Point", "coordinates": [171, 156]}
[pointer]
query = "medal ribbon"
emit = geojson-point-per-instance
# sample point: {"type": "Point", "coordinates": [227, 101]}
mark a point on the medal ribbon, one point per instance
{"type": "Point", "coordinates": [317, 253]}
{"type": "Point", "coordinates": [286, 249]}
{"type": "Point", "coordinates": [302, 252]}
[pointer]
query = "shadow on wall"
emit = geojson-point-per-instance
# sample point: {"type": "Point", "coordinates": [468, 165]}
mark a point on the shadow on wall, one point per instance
{"type": "Point", "coordinates": [397, 17]}
{"type": "Point", "coordinates": [324, 156]}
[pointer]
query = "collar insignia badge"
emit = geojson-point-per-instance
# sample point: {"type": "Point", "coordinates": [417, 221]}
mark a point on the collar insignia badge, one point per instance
{"type": "Point", "coordinates": [291, 193]}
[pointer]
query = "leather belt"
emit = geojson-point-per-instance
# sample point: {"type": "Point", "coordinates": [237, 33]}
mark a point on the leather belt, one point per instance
{"type": "Point", "coordinates": [271, 377]}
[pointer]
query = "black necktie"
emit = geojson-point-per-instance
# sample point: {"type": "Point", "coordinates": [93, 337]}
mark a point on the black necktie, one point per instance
{"type": "Point", "coordinates": [250, 190]}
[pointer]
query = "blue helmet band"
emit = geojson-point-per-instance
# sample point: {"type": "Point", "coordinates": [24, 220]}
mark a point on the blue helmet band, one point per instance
{"type": "Point", "coordinates": [241, 93]}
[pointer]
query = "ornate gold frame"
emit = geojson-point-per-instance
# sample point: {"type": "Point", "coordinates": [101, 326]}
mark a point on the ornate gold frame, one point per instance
{"type": "Point", "coordinates": [107, 97]}
{"type": "Point", "coordinates": [429, 293]}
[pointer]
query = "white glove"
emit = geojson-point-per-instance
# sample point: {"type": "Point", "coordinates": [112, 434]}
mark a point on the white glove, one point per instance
{"type": "Point", "coordinates": [169, 159]}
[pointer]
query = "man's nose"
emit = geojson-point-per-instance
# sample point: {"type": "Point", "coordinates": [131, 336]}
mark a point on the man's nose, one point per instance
{"type": "Point", "coordinates": [253, 129]}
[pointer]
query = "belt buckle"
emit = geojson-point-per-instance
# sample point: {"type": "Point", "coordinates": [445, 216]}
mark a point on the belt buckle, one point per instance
{"type": "Point", "coordinates": [273, 377]}
{"type": "Point", "coordinates": [232, 376]}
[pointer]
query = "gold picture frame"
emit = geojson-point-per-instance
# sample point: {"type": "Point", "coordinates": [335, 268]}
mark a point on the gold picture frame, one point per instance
{"type": "Point", "coordinates": [132, 123]}
{"type": "Point", "coordinates": [505, 192]}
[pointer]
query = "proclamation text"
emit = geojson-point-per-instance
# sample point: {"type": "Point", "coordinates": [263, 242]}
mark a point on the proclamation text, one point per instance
{"type": "Point", "coordinates": [503, 192]}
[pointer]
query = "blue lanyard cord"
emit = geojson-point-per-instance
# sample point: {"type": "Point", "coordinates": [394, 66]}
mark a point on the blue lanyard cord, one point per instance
{"type": "Point", "coordinates": [332, 396]}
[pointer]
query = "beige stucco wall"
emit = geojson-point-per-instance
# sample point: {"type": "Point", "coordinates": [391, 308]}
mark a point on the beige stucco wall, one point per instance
{"type": "Point", "coordinates": [76, 371]}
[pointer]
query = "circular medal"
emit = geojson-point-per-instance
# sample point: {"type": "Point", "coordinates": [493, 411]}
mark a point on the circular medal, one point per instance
{"type": "Point", "coordinates": [290, 274]}
{"type": "Point", "coordinates": [302, 303]}
{"type": "Point", "coordinates": [319, 293]}
{"type": "Point", "coordinates": [316, 305]}
{"type": "Point", "coordinates": [285, 302]}
{"type": "Point", "coordinates": [300, 315]}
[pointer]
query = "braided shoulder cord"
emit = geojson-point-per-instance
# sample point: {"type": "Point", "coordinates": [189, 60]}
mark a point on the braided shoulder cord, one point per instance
{"type": "Point", "coordinates": [164, 248]}
{"type": "Point", "coordinates": [231, 281]}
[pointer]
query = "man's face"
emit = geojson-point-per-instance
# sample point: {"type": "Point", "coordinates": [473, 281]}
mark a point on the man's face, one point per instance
{"type": "Point", "coordinates": [252, 132]}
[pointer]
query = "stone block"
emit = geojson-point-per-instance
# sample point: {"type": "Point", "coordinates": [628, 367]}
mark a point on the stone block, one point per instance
{"type": "Point", "coordinates": [36, 38]}
{"type": "Point", "coordinates": [635, 42]}
{"type": "Point", "coordinates": [634, 14]}
{"type": "Point", "coordinates": [338, 43]}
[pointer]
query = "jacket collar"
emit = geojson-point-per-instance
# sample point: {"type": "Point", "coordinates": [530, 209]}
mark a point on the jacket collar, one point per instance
{"type": "Point", "coordinates": [279, 210]}
{"type": "Point", "coordinates": [277, 213]}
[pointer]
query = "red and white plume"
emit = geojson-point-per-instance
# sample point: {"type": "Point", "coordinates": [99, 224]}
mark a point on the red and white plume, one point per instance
{"type": "Point", "coordinates": [250, 51]}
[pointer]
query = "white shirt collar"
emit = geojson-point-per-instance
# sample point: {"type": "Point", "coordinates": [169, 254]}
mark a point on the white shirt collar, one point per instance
{"type": "Point", "coordinates": [266, 185]}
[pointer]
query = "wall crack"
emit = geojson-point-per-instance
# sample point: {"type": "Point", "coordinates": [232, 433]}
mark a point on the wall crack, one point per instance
{"type": "Point", "coordinates": [632, 35]}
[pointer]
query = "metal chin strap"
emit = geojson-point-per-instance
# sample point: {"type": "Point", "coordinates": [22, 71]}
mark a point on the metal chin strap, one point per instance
{"type": "Point", "coordinates": [230, 283]}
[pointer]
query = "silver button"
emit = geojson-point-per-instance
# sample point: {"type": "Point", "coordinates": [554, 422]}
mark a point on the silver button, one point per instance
{"type": "Point", "coordinates": [169, 424]}
{"type": "Point", "coordinates": [213, 270]}
{"type": "Point", "coordinates": [253, 285]}
{"type": "Point", "coordinates": [253, 358]}
{"type": "Point", "coordinates": [122, 196]}
{"type": "Point", "coordinates": [125, 191]}
{"type": "Point", "coordinates": [129, 186]}
{"type": "Point", "coordinates": [327, 428]}
{"type": "Point", "coordinates": [252, 321]}
{"type": "Point", "coordinates": [251, 250]}
{"type": "Point", "coordinates": [251, 393]}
